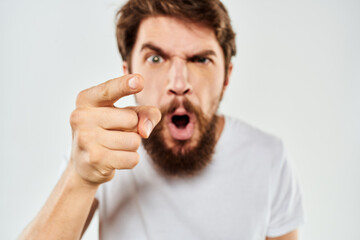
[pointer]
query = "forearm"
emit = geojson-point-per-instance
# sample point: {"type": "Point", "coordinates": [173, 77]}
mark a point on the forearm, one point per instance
{"type": "Point", "coordinates": [105, 138]}
{"type": "Point", "coordinates": [65, 212]}
{"type": "Point", "coordinates": [293, 235]}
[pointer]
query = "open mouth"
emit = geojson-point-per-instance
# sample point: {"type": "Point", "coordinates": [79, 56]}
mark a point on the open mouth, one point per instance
{"type": "Point", "coordinates": [181, 124]}
{"type": "Point", "coordinates": [180, 121]}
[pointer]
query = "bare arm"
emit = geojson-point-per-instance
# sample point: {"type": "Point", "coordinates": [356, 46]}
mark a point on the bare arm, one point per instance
{"type": "Point", "coordinates": [65, 212]}
{"type": "Point", "coordinates": [105, 138]}
{"type": "Point", "coordinates": [93, 209]}
{"type": "Point", "coordinates": [293, 235]}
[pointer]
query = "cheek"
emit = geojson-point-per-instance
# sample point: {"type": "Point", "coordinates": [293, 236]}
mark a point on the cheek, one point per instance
{"type": "Point", "coordinates": [207, 85]}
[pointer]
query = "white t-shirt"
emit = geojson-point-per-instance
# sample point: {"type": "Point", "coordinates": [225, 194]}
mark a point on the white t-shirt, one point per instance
{"type": "Point", "coordinates": [247, 192]}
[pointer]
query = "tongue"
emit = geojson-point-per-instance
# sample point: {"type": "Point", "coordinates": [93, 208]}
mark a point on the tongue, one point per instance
{"type": "Point", "coordinates": [182, 133]}
{"type": "Point", "coordinates": [181, 127]}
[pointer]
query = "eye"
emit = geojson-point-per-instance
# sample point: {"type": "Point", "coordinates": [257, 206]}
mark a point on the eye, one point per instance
{"type": "Point", "coordinates": [155, 59]}
{"type": "Point", "coordinates": [202, 60]}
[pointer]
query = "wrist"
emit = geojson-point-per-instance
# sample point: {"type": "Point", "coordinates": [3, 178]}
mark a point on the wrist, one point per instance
{"type": "Point", "coordinates": [77, 181]}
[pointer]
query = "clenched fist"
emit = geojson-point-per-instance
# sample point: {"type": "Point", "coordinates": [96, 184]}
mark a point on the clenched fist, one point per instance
{"type": "Point", "coordinates": [105, 137]}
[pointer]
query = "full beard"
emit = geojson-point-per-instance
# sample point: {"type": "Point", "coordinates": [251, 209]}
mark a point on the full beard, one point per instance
{"type": "Point", "coordinates": [183, 158]}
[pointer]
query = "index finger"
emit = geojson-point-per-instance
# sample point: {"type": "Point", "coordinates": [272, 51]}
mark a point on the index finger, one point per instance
{"type": "Point", "coordinates": [107, 93]}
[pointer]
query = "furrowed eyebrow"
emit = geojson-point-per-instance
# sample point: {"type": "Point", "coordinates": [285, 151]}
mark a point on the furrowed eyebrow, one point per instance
{"type": "Point", "coordinates": [204, 53]}
{"type": "Point", "coordinates": [154, 48]}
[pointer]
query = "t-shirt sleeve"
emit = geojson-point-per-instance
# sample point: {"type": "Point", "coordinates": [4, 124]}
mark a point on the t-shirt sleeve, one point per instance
{"type": "Point", "coordinates": [287, 212]}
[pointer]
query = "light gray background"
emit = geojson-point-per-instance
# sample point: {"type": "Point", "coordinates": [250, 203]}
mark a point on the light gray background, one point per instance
{"type": "Point", "coordinates": [296, 75]}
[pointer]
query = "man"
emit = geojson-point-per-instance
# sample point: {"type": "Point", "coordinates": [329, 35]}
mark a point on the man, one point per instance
{"type": "Point", "coordinates": [200, 175]}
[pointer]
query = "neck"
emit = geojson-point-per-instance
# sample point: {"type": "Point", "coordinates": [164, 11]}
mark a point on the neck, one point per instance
{"type": "Point", "coordinates": [219, 127]}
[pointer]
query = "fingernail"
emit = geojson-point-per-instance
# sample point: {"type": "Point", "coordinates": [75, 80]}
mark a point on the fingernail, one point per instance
{"type": "Point", "coordinates": [148, 127]}
{"type": "Point", "coordinates": [133, 82]}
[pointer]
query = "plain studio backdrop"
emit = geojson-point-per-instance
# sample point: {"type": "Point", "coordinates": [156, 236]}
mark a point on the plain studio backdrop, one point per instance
{"type": "Point", "coordinates": [296, 76]}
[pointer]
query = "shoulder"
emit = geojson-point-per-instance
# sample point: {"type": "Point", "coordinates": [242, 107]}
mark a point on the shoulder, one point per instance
{"type": "Point", "coordinates": [242, 138]}
{"type": "Point", "coordinates": [242, 133]}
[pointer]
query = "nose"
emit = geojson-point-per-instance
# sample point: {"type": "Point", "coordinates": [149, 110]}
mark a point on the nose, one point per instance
{"type": "Point", "coordinates": [178, 78]}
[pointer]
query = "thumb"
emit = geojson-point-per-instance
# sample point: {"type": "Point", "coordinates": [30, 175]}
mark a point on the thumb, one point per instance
{"type": "Point", "coordinates": [149, 117]}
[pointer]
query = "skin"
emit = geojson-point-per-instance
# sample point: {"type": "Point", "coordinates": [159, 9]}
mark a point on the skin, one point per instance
{"type": "Point", "coordinates": [293, 235]}
{"type": "Point", "coordinates": [102, 143]}
{"type": "Point", "coordinates": [188, 63]}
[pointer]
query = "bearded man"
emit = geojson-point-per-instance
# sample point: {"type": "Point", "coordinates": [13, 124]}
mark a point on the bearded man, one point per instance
{"type": "Point", "coordinates": [199, 175]}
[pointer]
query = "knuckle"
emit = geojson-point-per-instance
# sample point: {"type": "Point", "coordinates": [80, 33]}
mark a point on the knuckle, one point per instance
{"type": "Point", "coordinates": [77, 117]}
{"type": "Point", "coordinates": [132, 118]}
{"type": "Point", "coordinates": [81, 95]}
{"type": "Point", "coordinates": [105, 92]}
{"type": "Point", "coordinates": [134, 160]}
{"type": "Point", "coordinates": [95, 156]}
{"type": "Point", "coordinates": [134, 141]}
{"type": "Point", "coordinates": [106, 173]}
{"type": "Point", "coordinates": [85, 137]}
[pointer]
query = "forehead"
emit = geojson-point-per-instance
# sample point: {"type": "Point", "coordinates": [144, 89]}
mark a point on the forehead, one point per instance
{"type": "Point", "coordinates": [176, 36]}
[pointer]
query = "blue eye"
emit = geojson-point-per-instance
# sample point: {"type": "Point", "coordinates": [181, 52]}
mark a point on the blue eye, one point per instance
{"type": "Point", "coordinates": [155, 59]}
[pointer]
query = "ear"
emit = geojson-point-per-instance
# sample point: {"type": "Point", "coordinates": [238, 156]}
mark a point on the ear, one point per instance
{"type": "Point", "coordinates": [125, 68]}
{"type": "Point", "coordinates": [226, 81]}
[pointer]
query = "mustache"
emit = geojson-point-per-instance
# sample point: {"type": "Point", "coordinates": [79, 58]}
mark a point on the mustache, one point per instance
{"type": "Point", "coordinates": [182, 159]}
{"type": "Point", "coordinates": [176, 103]}
{"type": "Point", "coordinates": [201, 119]}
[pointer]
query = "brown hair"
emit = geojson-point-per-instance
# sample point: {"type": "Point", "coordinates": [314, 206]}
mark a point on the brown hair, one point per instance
{"type": "Point", "coordinates": [210, 13]}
